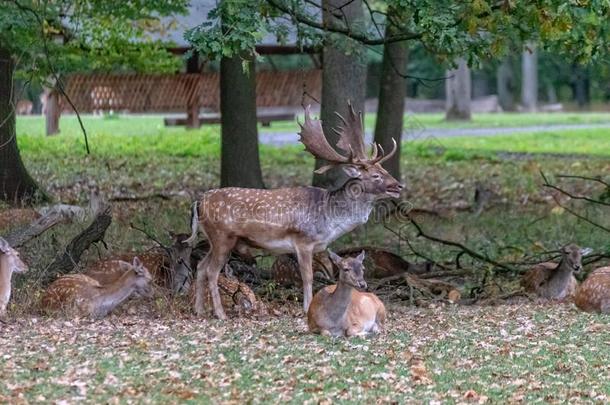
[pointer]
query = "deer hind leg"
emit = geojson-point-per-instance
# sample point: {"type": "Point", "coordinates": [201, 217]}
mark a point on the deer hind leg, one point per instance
{"type": "Point", "coordinates": [305, 257]}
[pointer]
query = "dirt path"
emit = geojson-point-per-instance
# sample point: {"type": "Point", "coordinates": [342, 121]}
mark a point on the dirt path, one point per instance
{"type": "Point", "coordinates": [289, 138]}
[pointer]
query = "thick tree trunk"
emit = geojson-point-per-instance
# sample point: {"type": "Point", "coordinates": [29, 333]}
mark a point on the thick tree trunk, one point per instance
{"type": "Point", "coordinates": [458, 92]}
{"type": "Point", "coordinates": [343, 78]}
{"type": "Point", "coordinates": [52, 112]}
{"type": "Point", "coordinates": [506, 85]}
{"type": "Point", "coordinates": [529, 78]}
{"type": "Point", "coordinates": [392, 93]}
{"type": "Point", "coordinates": [16, 185]}
{"type": "Point", "coordinates": [580, 85]}
{"type": "Point", "coordinates": [240, 165]}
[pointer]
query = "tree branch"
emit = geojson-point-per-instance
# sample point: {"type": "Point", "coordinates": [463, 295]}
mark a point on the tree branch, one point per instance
{"type": "Point", "coordinates": [304, 19]}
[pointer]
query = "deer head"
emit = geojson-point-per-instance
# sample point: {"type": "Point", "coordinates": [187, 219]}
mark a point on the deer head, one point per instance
{"type": "Point", "coordinates": [351, 269]}
{"type": "Point", "coordinates": [180, 259]}
{"type": "Point", "coordinates": [365, 170]}
{"type": "Point", "coordinates": [13, 261]}
{"type": "Point", "coordinates": [571, 256]}
{"type": "Point", "coordinates": [143, 278]}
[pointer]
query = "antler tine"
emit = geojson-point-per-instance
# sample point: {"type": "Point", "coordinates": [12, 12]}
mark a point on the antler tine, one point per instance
{"type": "Point", "coordinates": [312, 137]}
{"type": "Point", "coordinates": [351, 134]}
{"type": "Point", "coordinates": [374, 151]}
{"type": "Point", "coordinates": [389, 155]}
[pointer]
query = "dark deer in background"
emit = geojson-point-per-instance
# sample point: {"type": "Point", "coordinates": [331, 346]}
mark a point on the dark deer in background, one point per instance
{"type": "Point", "coordinates": [300, 220]}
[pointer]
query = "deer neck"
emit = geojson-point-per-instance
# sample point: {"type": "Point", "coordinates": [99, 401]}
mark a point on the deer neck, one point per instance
{"type": "Point", "coordinates": [561, 275]}
{"type": "Point", "coordinates": [348, 206]}
{"type": "Point", "coordinates": [114, 294]}
{"type": "Point", "coordinates": [339, 301]}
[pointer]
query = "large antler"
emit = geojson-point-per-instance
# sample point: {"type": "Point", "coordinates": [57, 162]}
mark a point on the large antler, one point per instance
{"type": "Point", "coordinates": [312, 136]}
{"type": "Point", "coordinates": [351, 140]}
{"type": "Point", "coordinates": [351, 135]}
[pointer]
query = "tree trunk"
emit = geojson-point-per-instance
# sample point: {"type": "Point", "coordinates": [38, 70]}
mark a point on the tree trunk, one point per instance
{"type": "Point", "coordinates": [16, 185]}
{"type": "Point", "coordinates": [392, 93]}
{"type": "Point", "coordinates": [343, 78]}
{"type": "Point", "coordinates": [506, 85]}
{"type": "Point", "coordinates": [529, 81]}
{"type": "Point", "coordinates": [240, 166]}
{"type": "Point", "coordinates": [580, 85]}
{"type": "Point", "coordinates": [52, 112]}
{"type": "Point", "coordinates": [458, 92]}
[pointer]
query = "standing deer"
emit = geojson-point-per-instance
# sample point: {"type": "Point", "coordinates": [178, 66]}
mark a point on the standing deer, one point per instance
{"type": "Point", "coordinates": [593, 295]}
{"type": "Point", "coordinates": [88, 297]}
{"type": "Point", "coordinates": [342, 310]}
{"type": "Point", "coordinates": [556, 281]}
{"type": "Point", "coordinates": [300, 220]}
{"type": "Point", "coordinates": [10, 263]}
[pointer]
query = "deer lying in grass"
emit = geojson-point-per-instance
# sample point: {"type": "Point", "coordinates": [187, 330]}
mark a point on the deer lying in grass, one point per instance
{"type": "Point", "coordinates": [555, 281]}
{"type": "Point", "coordinates": [169, 266]}
{"type": "Point", "coordinates": [10, 263]}
{"type": "Point", "coordinates": [81, 293]}
{"type": "Point", "coordinates": [300, 220]}
{"type": "Point", "coordinates": [342, 310]}
{"type": "Point", "coordinates": [593, 295]}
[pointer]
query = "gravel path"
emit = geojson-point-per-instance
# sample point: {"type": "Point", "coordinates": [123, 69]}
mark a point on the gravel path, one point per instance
{"type": "Point", "coordinates": [288, 138]}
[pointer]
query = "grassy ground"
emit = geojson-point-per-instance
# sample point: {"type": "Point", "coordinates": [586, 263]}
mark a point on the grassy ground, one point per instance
{"type": "Point", "coordinates": [450, 354]}
{"type": "Point", "coordinates": [143, 125]}
{"type": "Point", "coordinates": [526, 353]}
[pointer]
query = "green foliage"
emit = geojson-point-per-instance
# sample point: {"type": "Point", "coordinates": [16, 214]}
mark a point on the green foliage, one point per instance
{"type": "Point", "coordinates": [48, 38]}
{"type": "Point", "coordinates": [476, 29]}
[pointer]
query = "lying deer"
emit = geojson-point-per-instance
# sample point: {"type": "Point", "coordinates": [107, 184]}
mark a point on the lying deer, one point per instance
{"type": "Point", "coordinates": [300, 220]}
{"type": "Point", "coordinates": [342, 310]}
{"type": "Point", "coordinates": [555, 281]}
{"type": "Point", "coordinates": [88, 297]}
{"type": "Point", "coordinates": [593, 295]}
{"type": "Point", "coordinates": [170, 267]}
{"type": "Point", "coordinates": [10, 263]}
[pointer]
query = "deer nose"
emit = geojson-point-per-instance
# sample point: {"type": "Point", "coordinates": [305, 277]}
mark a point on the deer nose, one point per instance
{"type": "Point", "coordinates": [362, 284]}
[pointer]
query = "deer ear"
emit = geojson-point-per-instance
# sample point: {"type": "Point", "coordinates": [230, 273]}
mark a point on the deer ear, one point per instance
{"type": "Point", "coordinates": [137, 262]}
{"type": "Point", "coordinates": [335, 258]}
{"type": "Point", "coordinates": [352, 171]}
{"type": "Point", "coordinates": [4, 246]}
{"type": "Point", "coordinates": [125, 265]}
{"type": "Point", "coordinates": [586, 251]}
{"type": "Point", "coordinates": [360, 257]}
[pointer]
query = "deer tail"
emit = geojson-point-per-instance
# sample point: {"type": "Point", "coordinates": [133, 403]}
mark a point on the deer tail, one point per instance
{"type": "Point", "coordinates": [194, 223]}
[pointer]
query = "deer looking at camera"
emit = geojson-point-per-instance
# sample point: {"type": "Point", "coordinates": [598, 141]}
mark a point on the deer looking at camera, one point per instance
{"type": "Point", "coordinates": [556, 281]}
{"type": "Point", "coordinates": [86, 296]}
{"type": "Point", "coordinates": [10, 263]}
{"type": "Point", "coordinates": [593, 295]}
{"type": "Point", "coordinates": [342, 310]}
{"type": "Point", "coordinates": [300, 220]}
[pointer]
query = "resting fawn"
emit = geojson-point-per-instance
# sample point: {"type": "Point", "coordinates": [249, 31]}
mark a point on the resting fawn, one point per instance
{"type": "Point", "coordinates": [9, 263]}
{"type": "Point", "coordinates": [593, 295]}
{"type": "Point", "coordinates": [169, 266]}
{"type": "Point", "coordinates": [555, 281]}
{"type": "Point", "coordinates": [342, 310]}
{"type": "Point", "coordinates": [88, 297]}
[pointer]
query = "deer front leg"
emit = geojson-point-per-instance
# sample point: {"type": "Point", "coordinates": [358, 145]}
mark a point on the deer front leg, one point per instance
{"type": "Point", "coordinates": [305, 257]}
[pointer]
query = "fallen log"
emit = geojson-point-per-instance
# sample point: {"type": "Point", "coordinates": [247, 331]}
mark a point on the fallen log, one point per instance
{"type": "Point", "coordinates": [66, 262]}
{"type": "Point", "coordinates": [51, 216]}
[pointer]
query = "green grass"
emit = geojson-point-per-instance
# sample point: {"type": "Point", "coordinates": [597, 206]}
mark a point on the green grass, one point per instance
{"type": "Point", "coordinates": [573, 141]}
{"type": "Point", "coordinates": [153, 124]}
